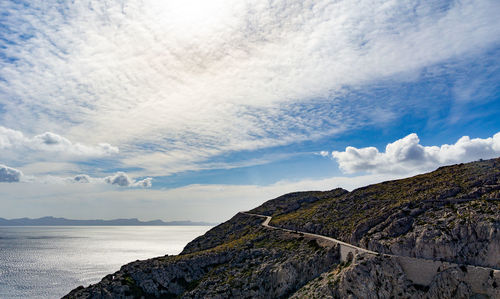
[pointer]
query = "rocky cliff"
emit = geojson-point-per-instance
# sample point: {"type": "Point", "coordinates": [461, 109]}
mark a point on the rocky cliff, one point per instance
{"type": "Point", "coordinates": [451, 214]}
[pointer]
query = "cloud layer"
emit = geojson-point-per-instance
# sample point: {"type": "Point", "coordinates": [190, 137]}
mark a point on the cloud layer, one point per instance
{"type": "Point", "coordinates": [264, 73]}
{"type": "Point", "coordinates": [407, 155]}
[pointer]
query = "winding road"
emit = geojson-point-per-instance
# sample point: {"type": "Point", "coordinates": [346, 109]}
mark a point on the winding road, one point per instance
{"type": "Point", "coordinates": [420, 270]}
{"type": "Point", "coordinates": [345, 248]}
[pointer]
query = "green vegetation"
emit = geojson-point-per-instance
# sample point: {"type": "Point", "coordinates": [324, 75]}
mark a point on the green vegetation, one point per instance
{"type": "Point", "coordinates": [349, 216]}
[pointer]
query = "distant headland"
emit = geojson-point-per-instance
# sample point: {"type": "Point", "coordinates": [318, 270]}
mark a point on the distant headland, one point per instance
{"type": "Point", "coordinates": [54, 221]}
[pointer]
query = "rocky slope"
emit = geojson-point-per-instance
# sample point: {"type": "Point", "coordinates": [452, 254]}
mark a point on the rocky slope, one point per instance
{"type": "Point", "coordinates": [245, 263]}
{"type": "Point", "coordinates": [451, 214]}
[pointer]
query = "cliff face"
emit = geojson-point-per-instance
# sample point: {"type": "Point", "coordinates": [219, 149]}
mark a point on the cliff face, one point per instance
{"type": "Point", "coordinates": [383, 277]}
{"type": "Point", "coordinates": [467, 232]}
{"type": "Point", "coordinates": [451, 214]}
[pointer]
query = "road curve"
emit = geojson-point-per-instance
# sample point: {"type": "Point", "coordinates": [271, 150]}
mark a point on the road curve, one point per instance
{"type": "Point", "coordinates": [268, 219]}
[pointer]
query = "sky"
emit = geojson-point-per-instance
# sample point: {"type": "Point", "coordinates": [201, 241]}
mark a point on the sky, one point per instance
{"type": "Point", "coordinates": [193, 109]}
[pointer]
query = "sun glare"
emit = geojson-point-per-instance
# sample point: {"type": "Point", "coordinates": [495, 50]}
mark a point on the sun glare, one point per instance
{"type": "Point", "coordinates": [196, 15]}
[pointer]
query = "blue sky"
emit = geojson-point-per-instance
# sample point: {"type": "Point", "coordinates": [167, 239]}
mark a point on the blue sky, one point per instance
{"type": "Point", "coordinates": [195, 109]}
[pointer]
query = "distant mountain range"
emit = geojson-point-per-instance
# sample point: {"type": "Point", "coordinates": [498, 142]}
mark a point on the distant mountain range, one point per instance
{"type": "Point", "coordinates": [53, 221]}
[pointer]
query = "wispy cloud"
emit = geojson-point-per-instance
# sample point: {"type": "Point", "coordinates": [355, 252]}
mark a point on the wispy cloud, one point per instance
{"type": "Point", "coordinates": [220, 78]}
{"type": "Point", "coordinates": [407, 155]}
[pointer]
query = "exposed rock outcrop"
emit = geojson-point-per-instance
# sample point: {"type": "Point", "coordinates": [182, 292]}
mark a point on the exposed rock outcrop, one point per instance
{"type": "Point", "coordinates": [466, 232]}
{"type": "Point", "coordinates": [383, 277]}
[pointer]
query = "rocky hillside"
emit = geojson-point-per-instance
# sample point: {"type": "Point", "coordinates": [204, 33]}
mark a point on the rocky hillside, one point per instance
{"type": "Point", "coordinates": [451, 214]}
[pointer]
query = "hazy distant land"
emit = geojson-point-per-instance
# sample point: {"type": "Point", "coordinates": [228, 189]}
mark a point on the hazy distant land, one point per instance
{"type": "Point", "coordinates": [53, 221]}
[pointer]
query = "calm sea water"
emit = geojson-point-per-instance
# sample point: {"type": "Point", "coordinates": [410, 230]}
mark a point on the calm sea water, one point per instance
{"type": "Point", "coordinates": [48, 262]}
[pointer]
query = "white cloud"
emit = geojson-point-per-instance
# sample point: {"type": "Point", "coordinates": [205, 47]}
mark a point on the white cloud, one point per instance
{"type": "Point", "coordinates": [9, 175]}
{"type": "Point", "coordinates": [324, 153]}
{"type": "Point", "coordinates": [135, 73]}
{"type": "Point", "coordinates": [82, 178]}
{"type": "Point", "coordinates": [123, 180]}
{"type": "Point", "coordinates": [407, 154]}
{"type": "Point", "coordinates": [120, 179]}
{"type": "Point", "coordinates": [12, 140]}
{"type": "Point", "coordinates": [145, 183]}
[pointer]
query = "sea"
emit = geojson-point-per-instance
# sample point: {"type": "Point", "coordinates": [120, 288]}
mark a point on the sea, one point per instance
{"type": "Point", "coordinates": [50, 261]}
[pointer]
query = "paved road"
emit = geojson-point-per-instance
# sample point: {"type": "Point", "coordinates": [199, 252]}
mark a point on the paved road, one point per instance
{"type": "Point", "coordinates": [268, 219]}
{"type": "Point", "coordinates": [346, 247]}
{"type": "Point", "coordinates": [419, 270]}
